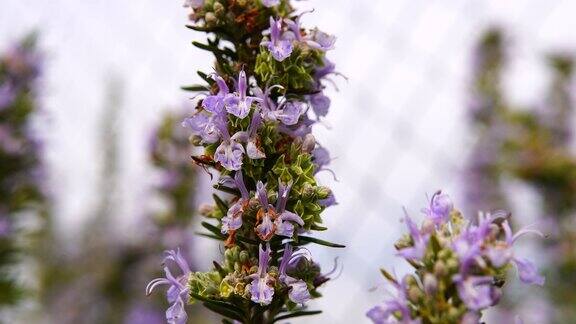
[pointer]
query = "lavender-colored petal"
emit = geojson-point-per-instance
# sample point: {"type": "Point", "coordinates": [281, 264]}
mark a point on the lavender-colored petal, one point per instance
{"type": "Point", "coordinates": [260, 291]}
{"type": "Point", "coordinates": [270, 3]}
{"type": "Point", "coordinates": [378, 315]}
{"type": "Point", "coordinates": [229, 154]}
{"type": "Point", "coordinates": [499, 255]}
{"type": "Point", "coordinates": [265, 229]}
{"type": "Point", "coordinates": [214, 104]}
{"type": "Point", "coordinates": [253, 151]}
{"type": "Point", "coordinates": [320, 104]}
{"type": "Point", "coordinates": [176, 314]}
{"type": "Point", "coordinates": [299, 293]}
{"type": "Point", "coordinates": [262, 194]}
{"type": "Point", "coordinates": [194, 4]}
{"type": "Point", "coordinates": [290, 113]}
{"type": "Point", "coordinates": [528, 273]}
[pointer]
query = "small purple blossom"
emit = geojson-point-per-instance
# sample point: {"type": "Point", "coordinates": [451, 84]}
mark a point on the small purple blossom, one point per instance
{"type": "Point", "coordinates": [439, 209]}
{"type": "Point", "coordinates": [298, 293]}
{"type": "Point", "coordinates": [233, 219]}
{"type": "Point", "coordinates": [320, 104]}
{"type": "Point", "coordinates": [178, 289]}
{"type": "Point", "coordinates": [194, 4]}
{"type": "Point", "coordinates": [289, 112]}
{"type": "Point", "coordinates": [261, 290]}
{"type": "Point", "coordinates": [502, 254]}
{"type": "Point", "coordinates": [252, 146]}
{"type": "Point", "coordinates": [270, 3]}
{"type": "Point", "coordinates": [215, 103]}
{"type": "Point", "coordinates": [266, 214]}
{"type": "Point", "coordinates": [477, 292]}
{"type": "Point", "coordinates": [279, 47]}
{"type": "Point", "coordinates": [203, 126]}
{"type": "Point", "coordinates": [284, 220]}
{"type": "Point", "coordinates": [398, 304]}
{"type": "Point", "coordinates": [419, 241]}
{"type": "Point", "coordinates": [229, 153]}
{"type": "Point", "coordinates": [321, 40]}
{"type": "Point", "coordinates": [238, 103]}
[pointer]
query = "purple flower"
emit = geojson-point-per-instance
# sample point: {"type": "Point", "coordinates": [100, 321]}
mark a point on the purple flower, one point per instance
{"type": "Point", "coordinates": [439, 209]}
{"type": "Point", "coordinates": [398, 304]}
{"type": "Point", "coordinates": [233, 219]}
{"type": "Point", "coordinates": [290, 112]}
{"type": "Point", "coordinates": [477, 292]}
{"type": "Point", "coordinates": [265, 215]}
{"type": "Point", "coordinates": [203, 126]}
{"type": "Point", "coordinates": [279, 48]}
{"type": "Point", "coordinates": [284, 220]}
{"type": "Point", "coordinates": [252, 146]}
{"type": "Point", "coordinates": [177, 291]}
{"type": "Point", "coordinates": [321, 40]}
{"type": "Point", "coordinates": [419, 241]}
{"type": "Point", "coordinates": [6, 95]}
{"type": "Point", "coordinates": [261, 290]}
{"type": "Point", "coordinates": [320, 104]}
{"type": "Point", "coordinates": [238, 103]}
{"type": "Point", "coordinates": [502, 253]}
{"type": "Point", "coordinates": [230, 152]}
{"type": "Point", "coordinates": [270, 3]}
{"type": "Point", "coordinates": [194, 4]}
{"type": "Point", "coordinates": [215, 103]}
{"type": "Point", "coordinates": [298, 293]}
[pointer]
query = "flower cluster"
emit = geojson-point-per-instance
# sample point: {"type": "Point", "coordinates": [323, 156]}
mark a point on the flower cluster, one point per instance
{"type": "Point", "coordinates": [254, 126]}
{"type": "Point", "coordinates": [533, 146]}
{"type": "Point", "coordinates": [460, 267]}
{"type": "Point", "coordinates": [76, 285]}
{"type": "Point", "coordinates": [21, 186]}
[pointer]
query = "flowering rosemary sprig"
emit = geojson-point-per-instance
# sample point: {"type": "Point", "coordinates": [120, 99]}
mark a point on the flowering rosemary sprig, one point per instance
{"type": "Point", "coordinates": [21, 189]}
{"type": "Point", "coordinates": [460, 267]}
{"type": "Point", "coordinates": [255, 127]}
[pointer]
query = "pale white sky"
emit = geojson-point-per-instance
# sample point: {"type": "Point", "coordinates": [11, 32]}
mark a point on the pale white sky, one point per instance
{"type": "Point", "coordinates": [396, 128]}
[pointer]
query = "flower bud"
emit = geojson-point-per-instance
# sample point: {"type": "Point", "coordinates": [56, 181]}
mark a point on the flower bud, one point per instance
{"type": "Point", "coordinates": [414, 294]}
{"type": "Point", "coordinates": [307, 191]}
{"type": "Point", "coordinates": [323, 192]}
{"type": "Point", "coordinates": [428, 226]}
{"type": "Point", "coordinates": [210, 18]}
{"type": "Point", "coordinates": [206, 209]}
{"type": "Point", "coordinates": [309, 143]}
{"type": "Point", "coordinates": [440, 269]}
{"type": "Point", "coordinates": [243, 257]}
{"type": "Point", "coordinates": [430, 284]}
{"type": "Point", "coordinates": [218, 9]}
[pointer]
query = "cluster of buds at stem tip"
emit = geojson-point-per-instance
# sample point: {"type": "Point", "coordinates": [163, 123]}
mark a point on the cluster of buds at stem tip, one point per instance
{"type": "Point", "coordinates": [254, 119]}
{"type": "Point", "coordinates": [460, 267]}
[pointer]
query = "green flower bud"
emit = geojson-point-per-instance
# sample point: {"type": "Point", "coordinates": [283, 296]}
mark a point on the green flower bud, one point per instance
{"type": "Point", "coordinates": [244, 256]}
{"type": "Point", "coordinates": [218, 9]}
{"type": "Point", "coordinates": [414, 294]}
{"type": "Point", "coordinates": [323, 192]}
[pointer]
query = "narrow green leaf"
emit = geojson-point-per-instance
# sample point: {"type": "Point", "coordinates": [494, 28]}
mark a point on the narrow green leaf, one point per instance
{"type": "Point", "coordinates": [224, 311]}
{"type": "Point", "coordinates": [212, 236]}
{"type": "Point", "coordinates": [302, 240]}
{"type": "Point", "coordinates": [221, 307]}
{"type": "Point", "coordinates": [215, 230]}
{"type": "Point", "coordinates": [194, 87]}
{"type": "Point", "coordinates": [220, 204]}
{"type": "Point", "coordinates": [297, 314]}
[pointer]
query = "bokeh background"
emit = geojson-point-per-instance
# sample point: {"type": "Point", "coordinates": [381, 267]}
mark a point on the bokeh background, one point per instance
{"type": "Point", "coordinates": [398, 129]}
